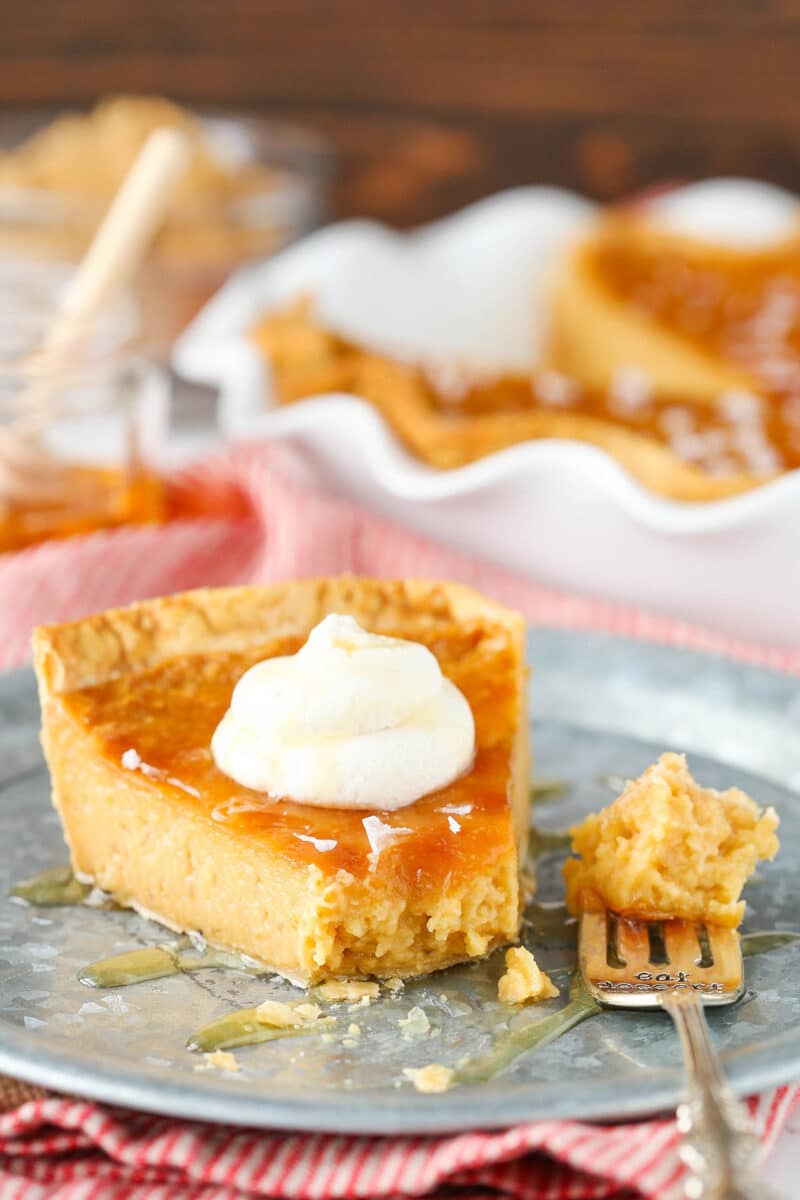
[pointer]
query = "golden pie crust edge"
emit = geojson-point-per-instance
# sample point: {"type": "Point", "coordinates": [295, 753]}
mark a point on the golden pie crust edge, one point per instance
{"type": "Point", "coordinates": [313, 938]}
{"type": "Point", "coordinates": [304, 364]}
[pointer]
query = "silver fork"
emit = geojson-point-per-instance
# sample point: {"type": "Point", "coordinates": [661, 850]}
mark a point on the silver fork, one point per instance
{"type": "Point", "coordinates": [682, 967]}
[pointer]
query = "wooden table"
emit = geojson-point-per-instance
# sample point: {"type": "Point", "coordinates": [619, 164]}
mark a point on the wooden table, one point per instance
{"type": "Point", "coordinates": [432, 103]}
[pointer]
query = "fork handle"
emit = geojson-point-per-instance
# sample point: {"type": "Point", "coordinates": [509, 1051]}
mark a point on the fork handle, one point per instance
{"type": "Point", "coordinates": [719, 1144]}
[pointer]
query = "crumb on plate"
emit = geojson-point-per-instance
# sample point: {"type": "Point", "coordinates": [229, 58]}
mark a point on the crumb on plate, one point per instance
{"type": "Point", "coordinates": [219, 1058]}
{"type": "Point", "coordinates": [287, 1016]}
{"type": "Point", "coordinates": [348, 989]}
{"type": "Point", "coordinates": [433, 1078]}
{"type": "Point", "coordinates": [524, 980]}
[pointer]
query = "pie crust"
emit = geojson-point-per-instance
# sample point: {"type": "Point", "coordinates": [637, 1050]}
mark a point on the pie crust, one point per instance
{"type": "Point", "coordinates": [308, 360]}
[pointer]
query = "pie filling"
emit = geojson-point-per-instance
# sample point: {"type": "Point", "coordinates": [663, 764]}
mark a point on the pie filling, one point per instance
{"type": "Point", "coordinates": [740, 306]}
{"type": "Point", "coordinates": [167, 717]}
{"type": "Point", "coordinates": [737, 434]}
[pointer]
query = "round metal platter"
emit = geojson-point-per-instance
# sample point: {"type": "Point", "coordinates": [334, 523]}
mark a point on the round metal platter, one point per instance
{"type": "Point", "coordinates": [601, 707]}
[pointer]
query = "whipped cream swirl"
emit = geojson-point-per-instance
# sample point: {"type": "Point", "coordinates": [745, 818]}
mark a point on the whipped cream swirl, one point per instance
{"type": "Point", "coordinates": [352, 720]}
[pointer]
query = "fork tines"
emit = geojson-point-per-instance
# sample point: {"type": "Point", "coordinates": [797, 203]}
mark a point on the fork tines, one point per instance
{"type": "Point", "coordinates": [631, 962]}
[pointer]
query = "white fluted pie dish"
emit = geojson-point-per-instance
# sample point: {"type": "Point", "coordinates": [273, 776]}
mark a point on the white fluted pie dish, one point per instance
{"type": "Point", "coordinates": [473, 287]}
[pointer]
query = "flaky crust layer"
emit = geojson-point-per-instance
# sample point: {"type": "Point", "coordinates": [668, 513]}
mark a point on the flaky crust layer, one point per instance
{"type": "Point", "coordinates": [90, 651]}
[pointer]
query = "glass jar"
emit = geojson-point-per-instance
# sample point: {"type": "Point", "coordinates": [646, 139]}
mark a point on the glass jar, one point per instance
{"type": "Point", "coordinates": [206, 235]}
{"type": "Point", "coordinates": [81, 431]}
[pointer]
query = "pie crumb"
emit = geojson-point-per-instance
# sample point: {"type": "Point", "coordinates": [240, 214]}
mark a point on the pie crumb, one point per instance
{"type": "Point", "coordinates": [354, 1030]}
{"type": "Point", "coordinates": [523, 979]}
{"type": "Point", "coordinates": [348, 989]}
{"type": "Point", "coordinates": [415, 1024]}
{"type": "Point", "coordinates": [219, 1058]}
{"type": "Point", "coordinates": [287, 1016]}
{"type": "Point", "coordinates": [364, 1002]}
{"type": "Point", "coordinates": [394, 985]}
{"type": "Point", "coordinates": [433, 1078]}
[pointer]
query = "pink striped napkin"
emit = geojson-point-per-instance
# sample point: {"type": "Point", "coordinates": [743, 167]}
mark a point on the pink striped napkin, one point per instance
{"type": "Point", "coordinates": [252, 524]}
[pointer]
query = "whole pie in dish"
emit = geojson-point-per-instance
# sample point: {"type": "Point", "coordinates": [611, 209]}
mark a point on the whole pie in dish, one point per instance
{"type": "Point", "coordinates": [130, 701]}
{"type": "Point", "coordinates": [449, 415]}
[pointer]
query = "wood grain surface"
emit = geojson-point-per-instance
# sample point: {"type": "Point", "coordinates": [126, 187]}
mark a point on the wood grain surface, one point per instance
{"type": "Point", "coordinates": [431, 104]}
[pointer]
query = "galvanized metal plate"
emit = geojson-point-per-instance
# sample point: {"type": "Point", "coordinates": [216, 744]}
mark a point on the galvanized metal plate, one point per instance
{"type": "Point", "coordinates": [601, 706]}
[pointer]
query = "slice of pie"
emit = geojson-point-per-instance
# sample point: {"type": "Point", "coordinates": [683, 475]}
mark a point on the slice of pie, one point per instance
{"type": "Point", "coordinates": [130, 701]}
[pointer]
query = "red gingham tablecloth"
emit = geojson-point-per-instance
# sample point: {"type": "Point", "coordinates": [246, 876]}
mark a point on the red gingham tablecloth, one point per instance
{"type": "Point", "coordinates": [251, 524]}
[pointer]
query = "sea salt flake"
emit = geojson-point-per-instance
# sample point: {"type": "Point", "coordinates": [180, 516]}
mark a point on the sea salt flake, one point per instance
{"type": "Point", "coordinates": [380, 835]}
{"type": "Point", "coordinates": [556, 390]}
{"type": "Point", "coordinates": [722, 467]}
{"type": "Point", "coordinates": [452, 380]}
{"type": "Point", "coordinates": [676, 422]}
{"type": "Point", "coordinates": [324, 845]}
{"type": "Point", "coordinates": [689, 446]}
{"type": "Point", "coordinates": [631, 391]}
{"type": "Point", "coordinates": [740, 407]}
{"type": "Point", "coordinates": [457, 810]}
{"type": "Point", "coordinates": [231, 808]}
{"type": "Point", "coordinates": [130, 760]}
{"type": "Point", "coordinates": [185, 787]}
{"type": "Point", "coordinates": [91, 1007]}
{"type": "Point", "coordinates": [33, 1022]}
{"type": "Point", "coordinates": [454, 825]}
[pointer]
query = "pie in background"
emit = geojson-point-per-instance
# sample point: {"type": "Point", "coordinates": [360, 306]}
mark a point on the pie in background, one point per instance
{"type": "Point", "coordinates": [448, 415]}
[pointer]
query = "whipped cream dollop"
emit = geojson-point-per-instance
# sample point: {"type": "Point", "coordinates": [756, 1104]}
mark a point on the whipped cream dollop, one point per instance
{"type": "Point", "coordinates": [352, 720]}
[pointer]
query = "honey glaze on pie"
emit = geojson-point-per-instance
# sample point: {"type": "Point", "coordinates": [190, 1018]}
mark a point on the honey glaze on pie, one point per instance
{"type": "Point", "coordinates": [740, 305]}
{"type": "Point", "coordinates": [739, 433]}
{"type": "Point", "coordinates": [159, 723]}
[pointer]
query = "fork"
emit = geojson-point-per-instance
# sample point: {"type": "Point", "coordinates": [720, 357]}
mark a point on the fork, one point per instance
{"type": "Point", "coordinates": [682, 967]}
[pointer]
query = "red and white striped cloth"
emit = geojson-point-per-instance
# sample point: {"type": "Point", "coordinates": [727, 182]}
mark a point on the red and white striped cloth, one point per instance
{"type": "Point", "coordinates": [252, 525]}
{"type": "Point", "coordinates": [59, 1149]}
